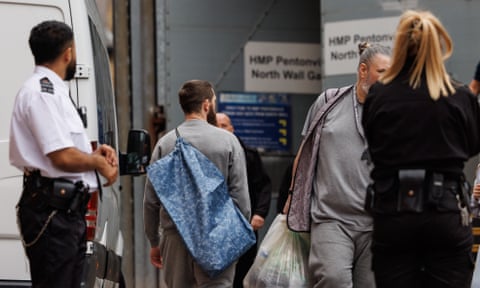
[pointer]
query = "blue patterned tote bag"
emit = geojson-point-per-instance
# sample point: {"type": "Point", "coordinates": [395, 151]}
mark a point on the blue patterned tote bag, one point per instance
{"type": "Point", "coordinates": [195, 195]}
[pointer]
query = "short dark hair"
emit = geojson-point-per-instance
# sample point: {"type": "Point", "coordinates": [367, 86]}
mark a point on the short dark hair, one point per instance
{"type": "Point", "coordinates": [48, 40]}
{"type": "Point", "coordinates": [192, 94]}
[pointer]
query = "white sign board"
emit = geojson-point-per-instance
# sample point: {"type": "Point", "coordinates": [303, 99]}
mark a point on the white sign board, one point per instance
{"type": "Point", "coordinates": [341, 39]}
{"type": "Point", "coordinates": [282, 67]}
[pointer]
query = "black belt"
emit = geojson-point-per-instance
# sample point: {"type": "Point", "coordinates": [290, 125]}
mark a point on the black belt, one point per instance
{"type": "Point", "coordinates": [416, 190]}
{"type": "Point", "coordinates": [58, 193]}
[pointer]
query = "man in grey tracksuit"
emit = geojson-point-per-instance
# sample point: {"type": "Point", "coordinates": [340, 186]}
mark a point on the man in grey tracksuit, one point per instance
{"type": "Point", "coordinates": [168, 251]}
{"type": "Point", "coordinates": [330, 180]}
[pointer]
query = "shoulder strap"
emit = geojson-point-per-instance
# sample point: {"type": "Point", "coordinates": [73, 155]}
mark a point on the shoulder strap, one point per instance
{"type": "Point", "coordinates": [330, 93]}
{"type": "Point", "coordinates": [159, 155]}
{"type": "Point", "coordinates": [333, 92]}
{"type": "Point", "coordinates": [331, 96]}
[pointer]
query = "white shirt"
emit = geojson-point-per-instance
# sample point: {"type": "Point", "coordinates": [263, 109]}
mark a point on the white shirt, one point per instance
{"type": "Point", "coordinates": [45, 120]}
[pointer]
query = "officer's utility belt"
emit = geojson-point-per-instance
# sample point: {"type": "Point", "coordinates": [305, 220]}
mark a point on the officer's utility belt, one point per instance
{"type": "Point", "coordinates": [57, 193]}
{"type": "Point", "coordinates": [416, 190]}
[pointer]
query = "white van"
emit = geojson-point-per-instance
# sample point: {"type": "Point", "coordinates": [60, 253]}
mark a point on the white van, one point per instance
{"type": "Point", "coordinates": [91, 90]}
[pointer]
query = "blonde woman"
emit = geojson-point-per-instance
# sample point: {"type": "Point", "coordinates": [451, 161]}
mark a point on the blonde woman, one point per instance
{"type": "Point", "coordinates": [421, 127]}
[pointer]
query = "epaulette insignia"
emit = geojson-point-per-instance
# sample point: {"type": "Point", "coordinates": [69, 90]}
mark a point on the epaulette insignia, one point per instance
{"type": "Point", "coordinates": [46, 85]}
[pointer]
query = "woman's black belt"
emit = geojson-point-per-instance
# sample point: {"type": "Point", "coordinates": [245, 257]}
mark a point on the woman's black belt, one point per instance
{"type": "Point", "coordinates": [414, 190]}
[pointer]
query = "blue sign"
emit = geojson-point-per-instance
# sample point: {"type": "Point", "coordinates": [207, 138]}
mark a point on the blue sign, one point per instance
{"type": "Point", "coordinates": [261, 120]}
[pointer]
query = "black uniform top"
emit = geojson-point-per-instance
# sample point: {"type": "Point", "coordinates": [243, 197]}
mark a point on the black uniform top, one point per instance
{"type": "Point", "coordinates": [477, 72]}
{"type": "Point", "coordinates": [406, 129]}
{"type": "Point", "coordinates": [259, 184]}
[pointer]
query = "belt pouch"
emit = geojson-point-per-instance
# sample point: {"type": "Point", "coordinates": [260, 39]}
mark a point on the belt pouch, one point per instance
{"type": "Point", "coordinates": [369, 198]}
{"type": "Point", "coordinates": [33, 196]}
{"type": "Point", "coordinates": [411, 190]}
{"type": "Point", "coordinates": [436, 189]}
{"type": "Point", "coordinates": [449, 201]}
{"type": "Point", "coordinates": [62, 194]}
{"type": "Point", "coordinates": [384, 196]}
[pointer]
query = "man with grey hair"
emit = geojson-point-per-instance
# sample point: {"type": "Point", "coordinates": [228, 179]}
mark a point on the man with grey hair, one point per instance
{"type": "Point", "coordinates": [331, 174]}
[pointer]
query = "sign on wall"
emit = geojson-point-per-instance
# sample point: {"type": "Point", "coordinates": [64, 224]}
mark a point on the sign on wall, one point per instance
{"type": "Point", "coordinates": [341, 39]}
{"type": "Point", "coordinates": [282, 67]}
{"type": "Point", "coordinates": [261, 120]}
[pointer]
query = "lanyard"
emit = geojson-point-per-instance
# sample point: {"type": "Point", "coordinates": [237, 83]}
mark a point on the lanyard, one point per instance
{"type": "Point", "coordinates": [356, 114]}
{"type": "Point", "coordinates": [358, 125]}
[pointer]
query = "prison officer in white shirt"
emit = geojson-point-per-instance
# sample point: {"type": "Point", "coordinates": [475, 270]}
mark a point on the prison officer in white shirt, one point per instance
{"type": "Point", "coordinates": [48, 143]}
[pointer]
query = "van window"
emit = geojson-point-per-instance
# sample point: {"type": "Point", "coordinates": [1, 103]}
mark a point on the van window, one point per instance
{"type": "Point", "coordinates": [105, 100]}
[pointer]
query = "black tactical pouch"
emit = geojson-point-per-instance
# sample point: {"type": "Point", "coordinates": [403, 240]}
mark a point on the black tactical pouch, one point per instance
{"type": "Point", "coordinates": [370, 198]}
{"type": "Point", "coordinates": [42, 193]}
{"type": "Point", "coordinates": [411, 190]}
{"type": "Point", "coordinates": [436, 191]}
{"type": "Point", "coordinates": [62, 194]}
{"type": "Point", "coordinates": [449, 200]}
{"type": "Point", "coordinates": [381, 196]}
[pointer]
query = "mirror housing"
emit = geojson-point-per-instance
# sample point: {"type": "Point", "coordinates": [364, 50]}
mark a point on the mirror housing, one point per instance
{"type": "Point", "coordinates": [137, 158]}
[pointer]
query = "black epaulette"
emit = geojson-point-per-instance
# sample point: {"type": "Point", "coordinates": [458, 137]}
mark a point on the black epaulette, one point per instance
{"type": "Point", "coordinates": [46, 85]}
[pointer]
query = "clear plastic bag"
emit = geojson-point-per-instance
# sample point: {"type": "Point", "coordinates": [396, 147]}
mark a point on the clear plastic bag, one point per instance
{"type": "Point", "coordinates": [476, 273]}
{"type": "Point", "coordinates": [282, 259]}
{"type": "Point", "coordinates": [475, 203]}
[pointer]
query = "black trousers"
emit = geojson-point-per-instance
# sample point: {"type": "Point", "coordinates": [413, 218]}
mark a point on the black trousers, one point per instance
{"type": "Point", "coordinates": [244, 263]}
{"type": "Point", "coordinates": [422, 250]}
{"type": "Point", "coordinates": [57, 257]}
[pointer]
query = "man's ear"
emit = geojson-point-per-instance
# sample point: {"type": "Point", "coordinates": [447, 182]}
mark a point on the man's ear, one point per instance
{"type": "Point", "coordinates": [68, 55]}
{"type": "Point", "coordinates": [206, 105]}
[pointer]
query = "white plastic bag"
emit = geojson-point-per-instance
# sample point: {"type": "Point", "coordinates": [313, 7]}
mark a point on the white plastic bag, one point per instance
{"type": "Point", "coordinates": [282, 259]}
{"type": "Point", "coordinates": [476, 273]}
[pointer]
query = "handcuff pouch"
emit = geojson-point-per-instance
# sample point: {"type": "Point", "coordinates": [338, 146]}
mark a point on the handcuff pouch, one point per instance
{"type": "Point", "coordinates": [411, 190]}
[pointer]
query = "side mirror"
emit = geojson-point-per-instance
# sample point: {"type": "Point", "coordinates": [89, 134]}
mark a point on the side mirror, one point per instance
{"type": "Point", "coordinates": [138, 153]}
